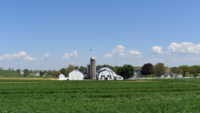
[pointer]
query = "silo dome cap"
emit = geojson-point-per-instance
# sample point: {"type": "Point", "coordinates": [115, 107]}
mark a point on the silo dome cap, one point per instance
{"type": "Point", "coordinates": [93, 58]}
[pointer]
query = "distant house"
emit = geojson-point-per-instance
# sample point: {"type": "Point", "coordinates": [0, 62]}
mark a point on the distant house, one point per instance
{"type": "Point", "coordinates": [137, 73]}
{"type": "Point", "coordinates": [36, 74]}
{"type": "Point", "coordinates": [21, 72]}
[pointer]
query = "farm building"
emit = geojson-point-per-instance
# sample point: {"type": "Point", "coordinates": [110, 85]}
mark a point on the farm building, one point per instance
{"type": "Point", "coordinates": [106, 73]}
{"type": "Point", "coordinates": [76, 75]}
{"type": "Point", "coordinates": [62, 77]}
{"type": "Point", "coordinates": [37, 74]}
{"type": "Point", "coordinates": [21, 72]}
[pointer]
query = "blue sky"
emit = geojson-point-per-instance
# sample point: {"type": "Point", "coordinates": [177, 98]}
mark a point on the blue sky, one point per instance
{"type": "Point", "coordinates": [49, 34]}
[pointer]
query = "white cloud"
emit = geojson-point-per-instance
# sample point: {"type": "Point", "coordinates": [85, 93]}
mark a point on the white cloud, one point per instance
{"type": "Point", "coordinates": [108, 56]}
{"type": "Point", "coordinates": [133, 52]}
{"type": "Point", "coordinates": [47, 55]}
{"type": "Point", "coordinates": [119, 52]}
{"type": "Point", "coordinates": [1, 58]}
{"type": "Point", "coordinates": [185, 47]}
{"type": "Point", "coordinates": [156, 49]}
{"type": "Point", "coordinates": [7, 57]}
{"type": "Point", "coordinates": [74, 54]}
{"type": "Point", "coordinates": [19, 55]}
{"type": "Point", "coordinates": [29, 58]}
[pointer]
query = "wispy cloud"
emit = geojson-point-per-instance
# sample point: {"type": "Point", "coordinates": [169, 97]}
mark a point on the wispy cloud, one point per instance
{"type": "Point", "coordinates": [74, 54]}
{"type": "Point", "coordinates": [185, 47]}
{"type": "Point", "coordinates": [156, 50]}
{"type": "Point", "coordinates": [119, 52]}
{"type": "Point", "coordinates": [21, 55]}
{"type": "Point", "coordinates": [47, 55]}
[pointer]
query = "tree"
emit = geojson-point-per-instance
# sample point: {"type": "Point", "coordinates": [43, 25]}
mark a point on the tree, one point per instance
{"type": "Point", "coordinates": [63, 71]}
{"type": "Point", "coordinates": [194, 70]}
{"type": "Point", "coordinates": [175, 70]}
{"type": "Point", "coordinates": [56, 73]}
{"type": "Point", "coordinates": [152, 70]}
{"type": "Point", "coordinates": [126, 71]}
{"type": "Point", "coordinates": [49, 73]}
{"type": "Point", "coordinates": [31, 72]}
{"type": "Point", "coordinates": [159, 69]}
{"type": "Point", "coordinates": [111, 67]}
{"type": "Point", "coordinates": [42, 73]}
{"type": "Point", "coordinates": [26, 72]}
{"type": "Point", "coordinates": [18, 71]}
{"type": "Point", "coordinates": [69, 69]}
{"type": "Point", "coordinates": [76, 67]}
{"type": "Point", "coordinates": [116, 68]}
{"type": "Point", "coordinates": [146, 69]}
{"type": "Point", "coordinates": [184, 69]}
{"type": "Point", "coordinates": [120, 71]}
{"type": "Point", "coordinates": [81, 69]}
{"type": "Point", "coordinates": [9, 69]}
{"type": "Point", "coordinates": [98, 66]}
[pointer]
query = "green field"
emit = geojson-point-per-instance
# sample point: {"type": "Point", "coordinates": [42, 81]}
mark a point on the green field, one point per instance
{"type": "Point", "coordinates": [46, 96]}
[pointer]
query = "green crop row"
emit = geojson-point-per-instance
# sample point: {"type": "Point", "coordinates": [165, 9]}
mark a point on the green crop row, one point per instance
{"type": "Point", "coordinates": [175, 95]}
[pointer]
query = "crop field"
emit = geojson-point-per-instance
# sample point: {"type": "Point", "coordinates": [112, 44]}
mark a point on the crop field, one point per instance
{"type": "Point", "coordinates": [51, 96]}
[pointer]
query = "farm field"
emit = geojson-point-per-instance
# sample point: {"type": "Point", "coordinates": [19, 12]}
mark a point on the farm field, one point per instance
{"type": "Point", "coordinates": [50, 96]}
{"type": "Point", "coordinates": [14, 74]}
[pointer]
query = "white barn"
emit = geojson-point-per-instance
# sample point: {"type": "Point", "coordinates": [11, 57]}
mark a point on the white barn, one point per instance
{"type": "Point", "coordinates": [106, 73]}
{"type": "Point", "coordinates": [76, 75]}
{"type": "Point", "coordinates": [62, 77]}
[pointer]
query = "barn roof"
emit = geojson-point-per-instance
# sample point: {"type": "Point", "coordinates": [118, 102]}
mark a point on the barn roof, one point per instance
{"type": "Point", "coordinates": [76, 70]}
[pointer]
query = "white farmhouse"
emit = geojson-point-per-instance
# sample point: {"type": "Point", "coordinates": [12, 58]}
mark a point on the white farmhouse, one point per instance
{"type": "Point", "coordinates": [106, 73]}
{"type": "Point", "coordinates": [76, 75]}
{"type": "Point", "coordinates": [37, 74]}
{"type": "Point", "coordinates": [21, 72]}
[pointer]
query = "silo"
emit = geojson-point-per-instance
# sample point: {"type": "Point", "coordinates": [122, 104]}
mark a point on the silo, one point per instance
{"type": "Point", "coordinates": [93, 68]}
{"type": "Point", "coordinates": [88, 71]}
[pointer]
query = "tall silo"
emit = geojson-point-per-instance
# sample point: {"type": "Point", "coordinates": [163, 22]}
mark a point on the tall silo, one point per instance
{"type": "Point", "coordinates": [93, 68]}
{"type": "Point", "coordinates": [88, 71]}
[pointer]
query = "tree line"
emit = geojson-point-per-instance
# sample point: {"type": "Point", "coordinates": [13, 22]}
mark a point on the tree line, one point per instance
{"type": "Point", "coordinates": [125, 71]}
{"type": "Point", "coordinates": [160, 69]}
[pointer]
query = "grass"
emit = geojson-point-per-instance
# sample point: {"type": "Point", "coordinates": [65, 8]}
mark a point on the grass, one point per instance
{"type": "Point", "coordinates": [6, 73]}
{"type": "Point", "coordinates": [31, 96]}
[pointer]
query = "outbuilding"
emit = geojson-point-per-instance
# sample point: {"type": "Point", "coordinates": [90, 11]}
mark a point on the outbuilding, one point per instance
{"type": "Point", "coordinates": [62, 77]}
{"type": "Point", "coordinates": [76, 75]}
